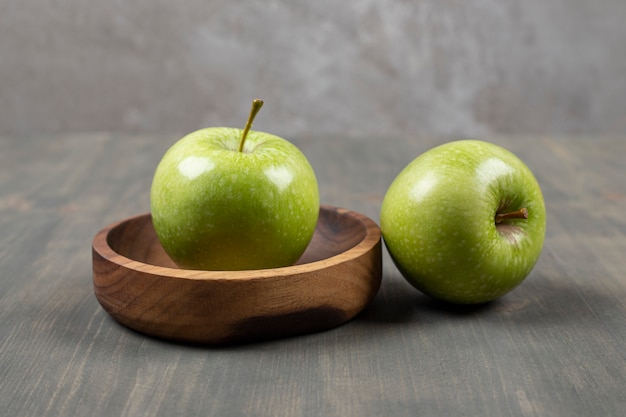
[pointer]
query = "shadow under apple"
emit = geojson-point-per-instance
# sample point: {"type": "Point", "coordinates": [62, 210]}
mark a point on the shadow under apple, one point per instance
{"type": "Point", "coordinates": [398, 302]}
{"type": "Point", "coordinates": [541, 299]}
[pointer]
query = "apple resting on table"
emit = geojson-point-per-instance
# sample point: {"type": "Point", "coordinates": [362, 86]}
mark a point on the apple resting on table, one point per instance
{"type": "Point", "coordinates": [464, 222]}
{"type": "Point", "coordinates": [232, 199]}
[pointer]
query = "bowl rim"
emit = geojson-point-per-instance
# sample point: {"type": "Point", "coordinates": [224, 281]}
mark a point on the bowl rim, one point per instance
{"type": "Point", "coordinates": [372, 237]}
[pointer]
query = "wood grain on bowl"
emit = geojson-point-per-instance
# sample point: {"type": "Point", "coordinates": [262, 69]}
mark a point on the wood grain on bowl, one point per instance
{"type": "Point", "coordinates": [139, 285]}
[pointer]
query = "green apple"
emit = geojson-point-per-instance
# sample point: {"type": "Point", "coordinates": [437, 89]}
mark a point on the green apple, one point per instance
{"type": "Point", "coordinates": [232, 199]}
{"type": "Point", "coordinates": [464, 222]}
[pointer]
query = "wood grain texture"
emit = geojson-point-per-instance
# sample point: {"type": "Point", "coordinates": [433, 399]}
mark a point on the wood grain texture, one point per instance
{"type": "Point", "coordinates": [336, 278]}
{"type": "Point", "coordinates": [556, 345]}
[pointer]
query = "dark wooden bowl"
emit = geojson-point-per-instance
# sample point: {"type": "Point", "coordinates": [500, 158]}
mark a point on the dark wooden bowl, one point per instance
{"type": "Point", "coordinates": [139, 285]}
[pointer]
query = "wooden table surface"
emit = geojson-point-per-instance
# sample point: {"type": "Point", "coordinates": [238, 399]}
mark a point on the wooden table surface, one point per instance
{"type": "Point", "coordinates": [554, 346]}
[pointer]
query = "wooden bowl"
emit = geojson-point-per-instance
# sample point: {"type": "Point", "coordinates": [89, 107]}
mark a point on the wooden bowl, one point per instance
{"type": "Point", "coordinates": [139, 285]}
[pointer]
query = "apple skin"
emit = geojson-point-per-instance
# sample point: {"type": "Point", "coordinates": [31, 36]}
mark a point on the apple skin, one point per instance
{"type": "Point", "coordinates": [438, 222]}
{"type": "Point", "coordinates": [215, 208]}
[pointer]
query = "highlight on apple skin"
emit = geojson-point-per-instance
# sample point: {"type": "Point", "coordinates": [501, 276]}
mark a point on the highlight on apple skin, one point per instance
{"type": "Point", "coordinates": [464, 222]}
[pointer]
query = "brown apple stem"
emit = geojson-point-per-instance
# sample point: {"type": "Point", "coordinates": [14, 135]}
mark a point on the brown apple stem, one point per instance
{"type": "Point", "coordinates": [519, 214]}
{"type": "Point", "coordinates": [256, 106]}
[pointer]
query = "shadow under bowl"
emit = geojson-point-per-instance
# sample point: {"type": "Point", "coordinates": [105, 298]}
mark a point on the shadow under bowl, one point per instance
{"type": "Point", "coordinates": [140, 286]}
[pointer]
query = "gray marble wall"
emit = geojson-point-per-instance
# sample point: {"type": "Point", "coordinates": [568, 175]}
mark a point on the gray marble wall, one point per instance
{"type": "Point", "coordinates": [370, 67]}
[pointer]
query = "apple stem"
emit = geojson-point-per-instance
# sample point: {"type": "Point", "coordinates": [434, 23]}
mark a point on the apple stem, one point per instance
{"type": "Point", "coordinates": [519, 214]}
{"type": "Point", "coordinates": [256, 106]}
